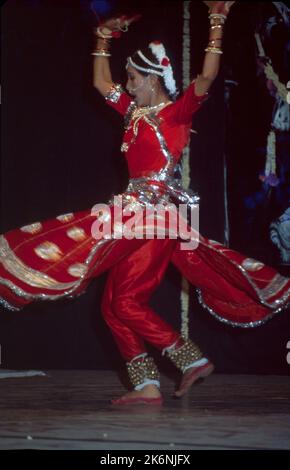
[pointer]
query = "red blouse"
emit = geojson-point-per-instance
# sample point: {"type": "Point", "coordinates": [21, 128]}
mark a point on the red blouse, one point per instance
{"type": "Point", "coordinates": [141, 145]}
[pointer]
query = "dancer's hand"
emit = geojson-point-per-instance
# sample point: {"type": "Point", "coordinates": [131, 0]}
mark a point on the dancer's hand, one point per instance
{"type": "Point", "coordinates": [219, 7]}
{"type": "Point", "coordinates": [114, 26]}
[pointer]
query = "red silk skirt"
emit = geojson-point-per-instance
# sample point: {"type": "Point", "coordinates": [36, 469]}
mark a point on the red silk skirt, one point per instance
{"type": "Point", "coordinates": [57, 258]}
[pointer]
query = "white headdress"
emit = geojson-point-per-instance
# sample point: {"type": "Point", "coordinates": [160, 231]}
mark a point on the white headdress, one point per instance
{"type": "Point", "coordinates": [163, 68]}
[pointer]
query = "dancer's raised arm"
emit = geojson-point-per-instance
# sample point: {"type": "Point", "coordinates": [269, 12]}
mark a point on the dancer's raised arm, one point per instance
{"type": "Point", "coordinates": [218, 12]}
{"type": "Point", "coordinates": [102, 78]}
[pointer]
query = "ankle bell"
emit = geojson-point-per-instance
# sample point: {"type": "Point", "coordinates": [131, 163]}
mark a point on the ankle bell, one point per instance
{"type": "Point", "coordinates": [143, 370]}
{"type": "Point", "coordinates": [183, 356]}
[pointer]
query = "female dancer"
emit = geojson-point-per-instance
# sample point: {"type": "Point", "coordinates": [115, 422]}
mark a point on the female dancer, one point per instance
{"type": "Point", "coordinates": [55, 258]}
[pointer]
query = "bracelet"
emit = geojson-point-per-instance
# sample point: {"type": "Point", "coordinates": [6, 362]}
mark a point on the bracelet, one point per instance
{"type": "Point", "coordinates": [217, 26]}
{"type": "Point", "coordinates": [101, 50]}
{"type": "Point", "coordinates": [101, 54]}
{"type": "Point", "coordinates": [217, 20]}
{"type": "Point", "coordinates": [214, 50]}
{"type": "Point", "coordinates": [217, 16]}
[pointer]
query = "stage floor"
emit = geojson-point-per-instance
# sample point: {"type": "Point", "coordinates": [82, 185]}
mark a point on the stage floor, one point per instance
{"type": "Point", "coordinates": [70, 410]}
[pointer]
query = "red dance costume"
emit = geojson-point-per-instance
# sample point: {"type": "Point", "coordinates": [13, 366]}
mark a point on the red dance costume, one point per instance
{"type": "Point", "coordinates": [57, 258]}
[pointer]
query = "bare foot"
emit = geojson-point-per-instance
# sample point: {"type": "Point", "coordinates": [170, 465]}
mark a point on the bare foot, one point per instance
{"type": "Point", "coordinates": [192, 375]}
{"type": "Point", "coordinates": [149, 394]}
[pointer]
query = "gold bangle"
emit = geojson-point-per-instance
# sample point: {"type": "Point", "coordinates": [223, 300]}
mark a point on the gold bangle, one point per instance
{"type": "Point", "coordinates": [217, 16]}
{"type": "Point", "coordinates": [216, 22]}
{"type": "Point", "coordinates": [101, 54]}
{"type": "Point", "coordinates": [214, 50]}
{"type": "Point", "coordinates": [217, 26]}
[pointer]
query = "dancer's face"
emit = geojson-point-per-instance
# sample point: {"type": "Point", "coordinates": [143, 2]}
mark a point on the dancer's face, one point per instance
{"type": "Point", "coordinates": [139, 86]}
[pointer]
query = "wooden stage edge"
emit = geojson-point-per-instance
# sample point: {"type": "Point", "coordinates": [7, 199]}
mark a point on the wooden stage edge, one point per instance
{"type": "Point", "coordinates": [69, 409]}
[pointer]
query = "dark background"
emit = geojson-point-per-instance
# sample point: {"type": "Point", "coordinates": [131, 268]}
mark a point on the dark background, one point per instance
{"type": "Point", "coordinates": [60, 153]}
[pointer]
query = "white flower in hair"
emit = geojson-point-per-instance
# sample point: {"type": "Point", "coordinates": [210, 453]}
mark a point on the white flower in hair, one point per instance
{"type": "Point", "coordinates": [158, 50]}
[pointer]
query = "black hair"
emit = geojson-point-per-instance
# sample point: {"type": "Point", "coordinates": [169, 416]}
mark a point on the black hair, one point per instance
{"type": "Point", "coordinates": [150, 56]}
